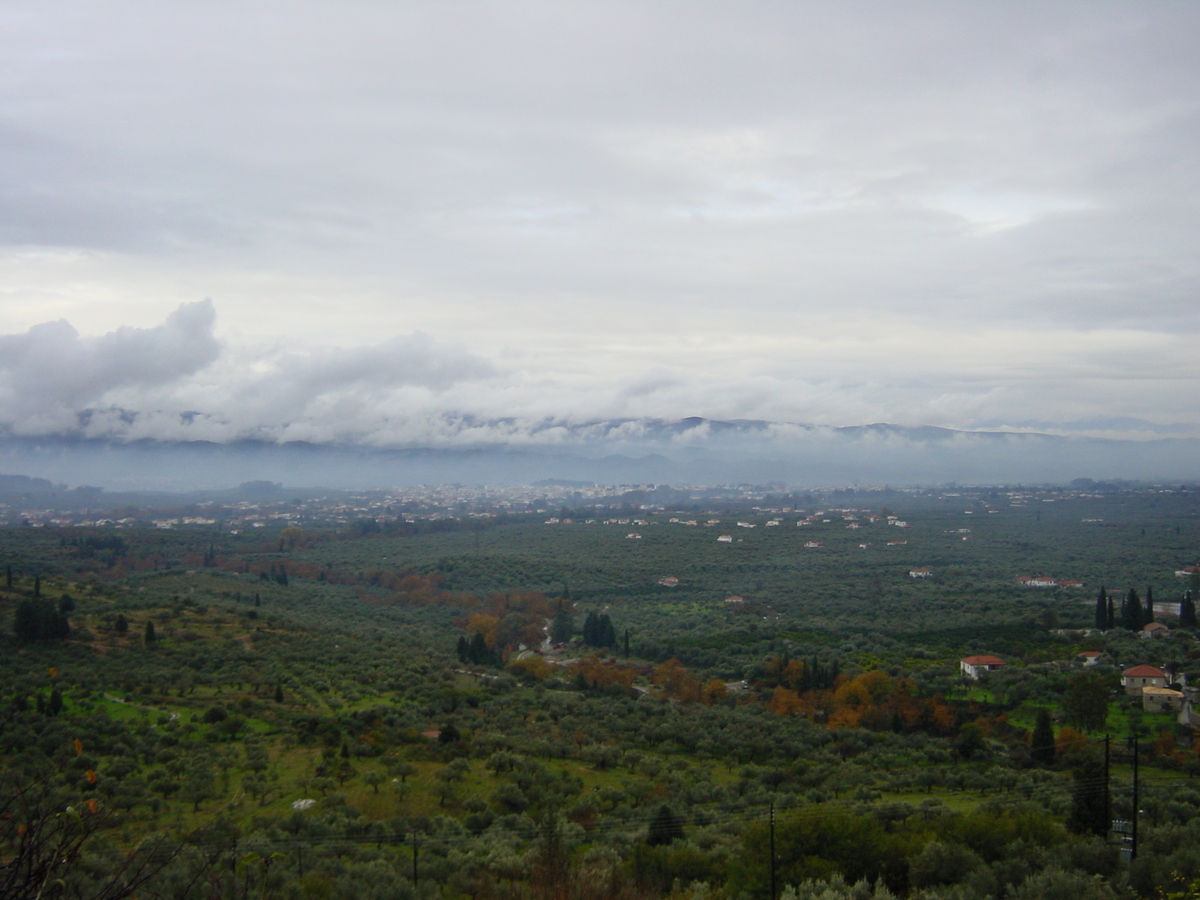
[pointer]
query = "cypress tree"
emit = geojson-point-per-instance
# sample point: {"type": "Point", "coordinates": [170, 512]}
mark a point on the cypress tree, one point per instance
{"type": "Point", "coordinates": [477, 650]}
{"type": "Point", "coordinates": [664, 828]}
{"type": "Point", "coordinates": [1131, 611]}
{"type": "Point", "coordinates": [151, 637]}
{"type": "Point", "coordinates": [608, 635]}
{"type": "Point", "coordinates": [1112, 618]}
{"type": "Point", "coordinates": [594, 632]}
{"type": "Point", "coordinates": [1102, 610]}
{"type": "Point", "coordinates": [1187, 611]}
{"type": "Point", "coordinates": [562, 627]}
{"type": "Point", "coordinates": [1149, 617]}
{"type": "Point", "coordinates": [1041, 747]}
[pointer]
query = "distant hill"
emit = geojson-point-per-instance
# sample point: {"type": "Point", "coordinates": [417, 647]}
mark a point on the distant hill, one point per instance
{"type": "Point", "coordinates": [625, 451]}
{"type": "Point", "coordinates": [23, 484]}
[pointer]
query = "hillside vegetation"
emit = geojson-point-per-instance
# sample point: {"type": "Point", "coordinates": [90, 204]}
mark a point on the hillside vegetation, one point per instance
{"type": "Point", "coordinates": [609, 704]}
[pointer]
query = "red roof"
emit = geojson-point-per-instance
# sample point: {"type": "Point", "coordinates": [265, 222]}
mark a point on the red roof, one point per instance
{"type": "Point", "coordinates": [983, 661]}
{"type": "Point", "coordinates": [1144, 672]}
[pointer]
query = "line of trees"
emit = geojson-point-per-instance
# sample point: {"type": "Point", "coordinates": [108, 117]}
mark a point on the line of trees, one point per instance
{"type": "Point", "coordinates": [1134, 615]}
{"type": "Point", "coordinates": [476, 651]}
{"type": "Point", "coordinates": [38, 619]}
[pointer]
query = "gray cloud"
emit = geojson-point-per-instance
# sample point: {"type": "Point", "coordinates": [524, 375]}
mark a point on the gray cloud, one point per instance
{"type": "Point", "coordinates": [812, 212]}
{"type": "Point", "coordinates": [50, 373]}
{"type": "Point", "coordinates": [174, 381]}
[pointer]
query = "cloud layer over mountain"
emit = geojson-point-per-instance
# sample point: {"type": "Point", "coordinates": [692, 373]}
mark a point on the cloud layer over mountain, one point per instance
{"type": "Point", "coordinates": [178, 382]}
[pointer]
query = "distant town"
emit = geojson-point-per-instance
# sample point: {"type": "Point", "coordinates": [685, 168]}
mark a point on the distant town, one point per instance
{"type": "Point", "coordinates": [37, 503]}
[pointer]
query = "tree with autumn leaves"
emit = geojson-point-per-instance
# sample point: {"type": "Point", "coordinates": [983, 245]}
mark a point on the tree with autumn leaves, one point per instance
{"type": "Point", "coordinates": [504, 623]}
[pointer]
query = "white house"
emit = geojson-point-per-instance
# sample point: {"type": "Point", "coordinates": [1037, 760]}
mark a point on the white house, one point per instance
{"type": "Point", "coordinates": [975, 667]}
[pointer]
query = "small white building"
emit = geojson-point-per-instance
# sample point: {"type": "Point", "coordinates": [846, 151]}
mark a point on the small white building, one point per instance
{"type": "Point", "coordinates": [975, 667]}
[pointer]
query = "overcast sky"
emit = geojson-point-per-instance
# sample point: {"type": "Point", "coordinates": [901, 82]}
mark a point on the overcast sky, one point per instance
{"type": "Point", "coordinates": [338, 220]}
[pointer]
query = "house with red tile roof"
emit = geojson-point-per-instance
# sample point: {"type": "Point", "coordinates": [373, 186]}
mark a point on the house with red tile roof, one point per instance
{"type": "Point", "coordinates": [975, 667]}
{"type": "Point", "coordinates": [1133, 680]}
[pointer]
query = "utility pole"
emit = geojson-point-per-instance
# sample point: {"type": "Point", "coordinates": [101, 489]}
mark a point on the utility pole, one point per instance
{"type": "Point", "coordinates": [772, 832]}
{"type": "Point", "coordinates": [1107, 792]}
{"type": "Point", "coordinates": [1136, 802]}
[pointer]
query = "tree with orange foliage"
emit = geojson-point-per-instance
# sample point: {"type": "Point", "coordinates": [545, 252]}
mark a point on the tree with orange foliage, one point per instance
{"type": "Point", "coordinates": [676, 682]}
{"type": "Point", "coordinates": [599, 673]}
{"type": "Point", "coordinates": [531, 667]}
{"type": "Point", "coordinates": [292, 537]}
{"type": "Point", "coordinates": [793, 674]}
{"type": "Point", "coordinates": [714, 692]}
{"type": "Point", "coordinates": [485, 625]}
{"type": "Point", "coordinates": [1166, 748]}
{"type": "Point", "coordinates": [852, 694]}
{"type": "Point", "coordinates": [1070, 742]}
{"type": "Point", "coordinates": [936, 716]}
{"type": "Point", "coordinates": [784, 702]}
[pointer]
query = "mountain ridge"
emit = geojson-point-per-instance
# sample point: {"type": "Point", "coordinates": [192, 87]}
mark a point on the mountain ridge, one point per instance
{"type": "Point", "coordinates": [693, 450]}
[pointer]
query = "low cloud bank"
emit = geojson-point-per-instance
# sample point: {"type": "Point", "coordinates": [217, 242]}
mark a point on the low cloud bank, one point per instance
{"type": "Point", "coordinates": [412, 409]}
{"type": "Point", "coordinates": [178, 382]}
{"type": "Point", "coordinates": [50, 374]}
